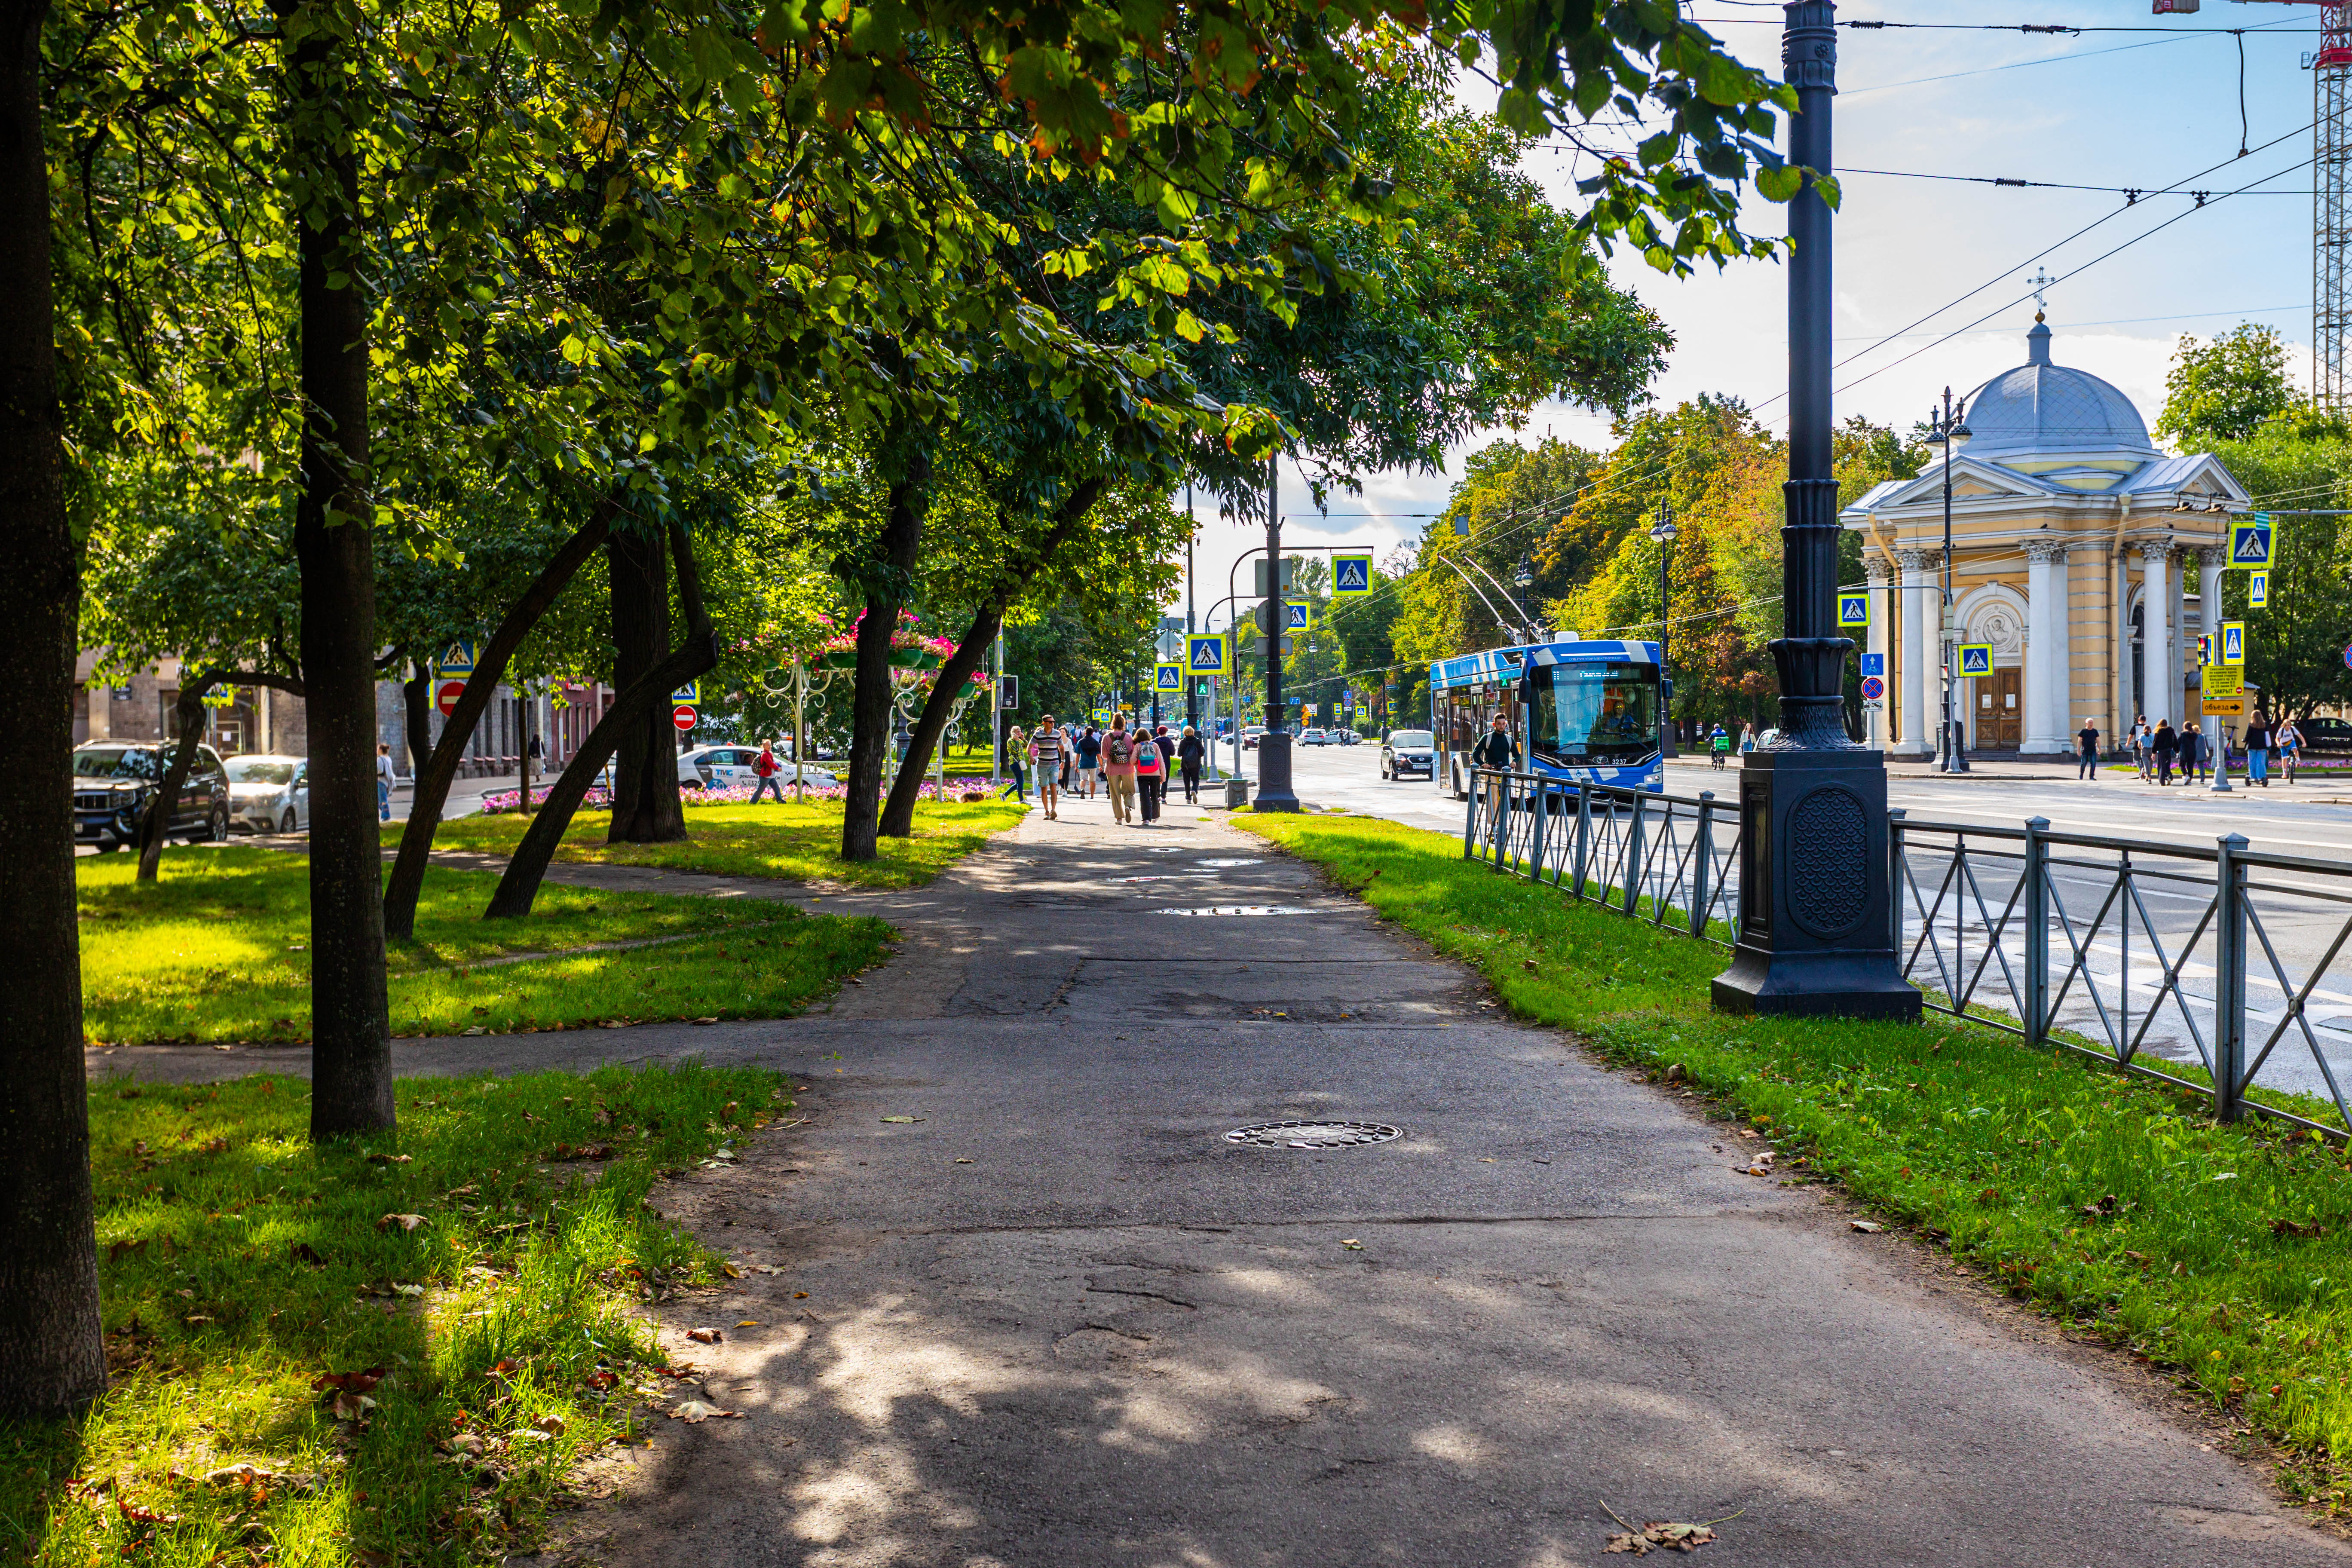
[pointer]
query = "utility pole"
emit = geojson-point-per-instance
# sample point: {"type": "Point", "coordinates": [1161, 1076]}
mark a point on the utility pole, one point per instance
{"type": "Point", "coordinates": [1191, 684]}
{"type": "Point", "coordinates": [1816, 929]}
{"type": "Point", "coordinates": [1274, 791]}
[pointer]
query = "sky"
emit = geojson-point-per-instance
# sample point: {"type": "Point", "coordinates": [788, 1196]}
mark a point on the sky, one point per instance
{"type": "Point", "coordinates": [2137, 110]}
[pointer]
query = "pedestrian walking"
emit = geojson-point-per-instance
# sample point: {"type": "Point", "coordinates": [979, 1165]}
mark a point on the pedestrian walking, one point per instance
{"type": "Point", "coordinates": [2258, 750]}
{"type": "Point", "coordinates": [1747, 737]}
{"type": "Point", "coordinates": [2087, 740]}
{"type": "Point", "coordinates": [1119, 770]}
{"type": "Point", "coordinates": [1045, 750]}
{"type": "Point", "coordinates": [1016, 764]}
{"type": "Point", "coordinates": [384, 778]}
{"type": "Point", "coordinates": [2139, 743]}
{"type": "Point", "coordinates": [764, 772]}
{"type": "Point", "coordinates": [1151, 774]}
{"type": "Point", "coordinates": [2162, 747]}
{"type": "Point", "coordinates": [1069, 752]}
{"type": "Point", "coordinates": [2192, 752]}
{"type": "Point", "coordinates": [1190, 754]}
{"type": "Point", "coordinates": [2287, 742]}
{"type": "Point", "coordinates": [1089, 753]}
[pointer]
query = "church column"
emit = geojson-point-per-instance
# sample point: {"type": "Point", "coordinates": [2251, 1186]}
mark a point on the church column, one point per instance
{"type": "Point", "coordinates": [1922, 613]}
{"type": "Point", "coordinates": [2046, 670]}
{"type": "Point", "coordinates": [1882, 601]}
{"type": "Point", "coordinates": [2159, 677]}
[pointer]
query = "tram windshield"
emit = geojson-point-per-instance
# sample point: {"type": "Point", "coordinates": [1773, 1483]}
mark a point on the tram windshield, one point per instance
{"type": "Point", "coordinates": [1596, 714]}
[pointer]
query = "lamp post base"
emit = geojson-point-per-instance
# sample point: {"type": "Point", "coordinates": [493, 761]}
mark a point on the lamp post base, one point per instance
{"type": "Point", "coordinates": [1273, 792]}
{"type": "Point", "coordinates": [1816, 918]}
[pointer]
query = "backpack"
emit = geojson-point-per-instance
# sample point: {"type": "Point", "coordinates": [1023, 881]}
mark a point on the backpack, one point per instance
{"type": "Point", "coordinates": [1116, 748]}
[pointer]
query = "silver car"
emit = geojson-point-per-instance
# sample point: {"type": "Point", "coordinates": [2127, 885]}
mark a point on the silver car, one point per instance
{"type": "Point", "coordinates": [269, 794]}
{"type": "Point", "coordinates": [1408, 752]}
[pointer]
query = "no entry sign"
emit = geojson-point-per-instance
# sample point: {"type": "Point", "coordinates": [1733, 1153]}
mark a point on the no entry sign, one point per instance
{"type": "Point", "coordinates": [682, 716]}
{"type": "Point", "coordinates": [445, 695]}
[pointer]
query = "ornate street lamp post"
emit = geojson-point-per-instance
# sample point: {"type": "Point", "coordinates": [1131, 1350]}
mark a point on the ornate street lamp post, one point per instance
{"type": "Point", "coordinates": [1664, 530]}
{"type": "Point", "coordinates": [1816, 909]}
{"type": "Point", "coordinates": [1949, 430]}
{"type": "Point", "coordinates": [1274, 791]}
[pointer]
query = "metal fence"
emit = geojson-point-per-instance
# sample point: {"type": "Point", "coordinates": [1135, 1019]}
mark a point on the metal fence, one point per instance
{"type": "Point", "coordinates": [2143, 954]}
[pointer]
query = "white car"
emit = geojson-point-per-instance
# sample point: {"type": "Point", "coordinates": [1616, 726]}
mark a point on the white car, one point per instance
{"type": "Point", "coordinates": [269, 794]}
{"type": "Point", "coordinates": [724, 767]}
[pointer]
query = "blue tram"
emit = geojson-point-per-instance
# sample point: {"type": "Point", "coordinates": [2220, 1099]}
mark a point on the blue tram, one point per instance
{"type": "Point", "coordinates": [1579, 711]}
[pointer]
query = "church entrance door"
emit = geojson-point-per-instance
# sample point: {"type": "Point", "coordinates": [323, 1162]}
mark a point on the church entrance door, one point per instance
{"type": "Point", "coordinates": [2001, 710]}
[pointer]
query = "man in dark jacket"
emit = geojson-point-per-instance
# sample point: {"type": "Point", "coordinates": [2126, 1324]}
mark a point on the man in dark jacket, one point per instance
{"type": "Point", "coordinates": [1497, 749]}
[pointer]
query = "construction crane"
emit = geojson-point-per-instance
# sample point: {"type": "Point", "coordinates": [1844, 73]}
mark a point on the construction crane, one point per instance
{"type": "Point", "coordinates": [2331, 202]}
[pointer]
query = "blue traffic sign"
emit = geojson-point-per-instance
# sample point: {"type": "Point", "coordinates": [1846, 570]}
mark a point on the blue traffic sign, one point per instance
{"type": "Point", "coordinates": [458, 659]}
{"type": "Point", "coordinates": [2249, 542]}
{"type": "Point", "coordinates": [1976, 658]}
{"type": "Point", "coordinates": [1296, 620]}
{"type": "Point", "coordinates": [1874, 664]}
{"type": "Point", "coordinates": [1207, 655]}
{"type": "Point", "coordinates": [1168, 678]}
{"type": "Point", "coordinates": [1853, 611]}
{"type": "Point", "coordinates": [1351, 573]}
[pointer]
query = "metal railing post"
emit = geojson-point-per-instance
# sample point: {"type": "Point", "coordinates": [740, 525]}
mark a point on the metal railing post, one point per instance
{"type": "Point", "coordinates": [1894, 879]}
{"type": "Point", "coordinates": [2230, 979]}
{"type": "Point", "coordinates": [1470, 820]}
{"type": "Point", "coordinates": [1499, 808]}
{"type": "Point", "coordinates": [1536, 798]}
{"type": "Point", "coordinates": [1583, 832]}
{"type": "Point", "coordinates": [2037, 930]}
{"type": "Point", "coordinates": [1703, 855]}
{"type": "Point", "coordinates": [1633, 856]}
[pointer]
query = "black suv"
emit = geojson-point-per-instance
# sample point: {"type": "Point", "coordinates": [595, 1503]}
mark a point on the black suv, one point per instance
{"type": "Point", "coordinates": [114, 784]}
{"type": "Point", "coordinates": [2325, 734]}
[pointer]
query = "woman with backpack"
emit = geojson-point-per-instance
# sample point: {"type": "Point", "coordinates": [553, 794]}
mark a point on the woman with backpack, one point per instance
{"type": "Point", "coordinates": [1150, 773]}
{"type": "Point", "coordinates": [1119, 770]}
{"type": "Point", "coordinates": [1190, 755]}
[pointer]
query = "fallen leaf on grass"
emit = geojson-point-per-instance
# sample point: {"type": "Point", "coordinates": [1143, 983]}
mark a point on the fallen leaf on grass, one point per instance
{"type": "Point", "coordinates": [137, 1515]}
{"type": "Point", "coordinates": [600, 1379]}
{"type": "Point", "coordinates": [1660, 1534]}
{"type": "Point", "coordinates": [707, 1336]}
{"type": "Point", "coordinates": [902, 1119]}
{"type": "Point", "coordinates": [1868, 1227]}
{"type": "Point", "coordinates": [349, 1382]}
{"type": "Point", "coordinates": [748, 1323]}
{"type": "Point", "coordinates": [2288, 1228]}
{"type": "Point", "coordinates": [1760, 1166]}
{"type": "Point", "coordinates": [712, 1020]}
{"type": "Point", "coordinates": [731, 1271]}
{"type": "Point", "coordinates": [696, 1410]}
{"type": "Point", "coordinates": [551, 1425]}
{"type": "Point", "coordinates": [405, 1221]}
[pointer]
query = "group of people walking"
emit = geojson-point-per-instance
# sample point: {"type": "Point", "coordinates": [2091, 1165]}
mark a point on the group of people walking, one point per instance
{"type": "Point", "coordinates": [1133, 767]}
{"type": "Point", "coordinates": [2157, 749]}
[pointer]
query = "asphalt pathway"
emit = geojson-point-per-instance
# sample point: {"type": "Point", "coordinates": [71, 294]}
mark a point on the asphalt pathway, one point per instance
{"type": "Point", "coordinates": [1059, 1318]}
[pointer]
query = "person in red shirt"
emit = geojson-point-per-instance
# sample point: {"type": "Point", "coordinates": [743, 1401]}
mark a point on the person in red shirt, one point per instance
{"type": "Point", "coordinates": [763, 769]}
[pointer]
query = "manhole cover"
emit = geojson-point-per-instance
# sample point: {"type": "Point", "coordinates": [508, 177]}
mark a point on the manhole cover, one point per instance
{"type": "Point", "coordinates": [1314, 1134]}
{"type": "Point", "coordinates": [1239, 910]}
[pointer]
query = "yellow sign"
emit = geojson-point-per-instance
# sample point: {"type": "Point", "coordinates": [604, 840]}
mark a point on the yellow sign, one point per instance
{"type": "Point", "coordinates": [2233, 642]}
{"type": "Point", "coordinates": [2225, 707]}
{"type": "Point", "coordinates": [2225, 680]}
{"type": "Point", "coordinates": [1853, 611]}
{"type": "Point", "coordinates": [2257, 590]}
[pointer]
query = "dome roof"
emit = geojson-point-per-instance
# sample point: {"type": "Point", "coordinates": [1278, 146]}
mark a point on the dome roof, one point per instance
{"type": "Point", "coordinates": [2043, 407]}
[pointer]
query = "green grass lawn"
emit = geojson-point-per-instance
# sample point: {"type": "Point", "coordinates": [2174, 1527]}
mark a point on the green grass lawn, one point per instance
{"type": "Point", "coordinates": [796, 843]}
{"type": "Point", "coordinates": [218, 948]}
{"type": "Point", "coordinates": [2112, 1202]}
{"type": "Point", "coordinates": [484, 1350]}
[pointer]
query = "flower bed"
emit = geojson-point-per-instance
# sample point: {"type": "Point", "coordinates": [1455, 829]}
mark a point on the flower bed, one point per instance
{"type": "Point", "coordinates": [598, 798]}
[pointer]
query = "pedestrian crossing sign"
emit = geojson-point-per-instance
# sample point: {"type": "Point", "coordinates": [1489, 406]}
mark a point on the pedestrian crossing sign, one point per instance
{"type": "Point", "coordinates": [2250, 542]}
{"type": "Point", "coordinates": [1854, 612]}
{"type": "Point", "coordinates": [1206, 655]}
{"type": "Point", "coordinates": [2257, 590]}
{"type": "Point", "coordinates": [690, 692]}
{"type": "Point", "coordinates": [1168, 678]}
{"type": "Point", "coordinates": [1351, 574]}
{"type": "Point", "coordinates": [2233, 642]}
{"type": "Point", "coordinates": [1976, 658]}
{"type": "Point", "coordinates": [1297, 619]}
{"type": "Point", "coordinates": [458, 659]}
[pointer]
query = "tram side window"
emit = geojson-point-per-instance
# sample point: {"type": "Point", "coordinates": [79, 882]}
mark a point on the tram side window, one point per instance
{"type": "Point", "coordinates": [1591, 714]}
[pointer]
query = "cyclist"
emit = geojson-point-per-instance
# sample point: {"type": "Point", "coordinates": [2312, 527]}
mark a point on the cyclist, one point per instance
{"type": "Point", "coordinates": [1718, 746]}
{"type": "Point", "coordinates": [2287, 742]}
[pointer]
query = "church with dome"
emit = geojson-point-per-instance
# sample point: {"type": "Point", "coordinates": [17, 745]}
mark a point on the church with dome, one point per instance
{"type": "Point", "coordinates": [2086, 559]}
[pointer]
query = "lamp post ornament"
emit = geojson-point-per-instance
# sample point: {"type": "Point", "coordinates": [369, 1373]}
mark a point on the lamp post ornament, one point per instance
{"type": "Point", "coordinates": [1816, 928]}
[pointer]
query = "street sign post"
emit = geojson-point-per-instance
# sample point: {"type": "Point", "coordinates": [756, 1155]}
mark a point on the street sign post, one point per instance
{"type": "Point", "coordinates": [2257, 590]}
{"type": "Point", "coordinates": [682, 717]}
{"type": "Point", "coordinates": [1976, 658]}
{"type": "Point", "coordinates": [2250, 542]}
{"type": "Point", "coordinates": [1853, 611]}
{"type": "Point", "coordinates": [2233, 642]}
{"type": "Point", "coordinates": [1351, 574]}
{"type": "Point", "coordinates": [445, 695]}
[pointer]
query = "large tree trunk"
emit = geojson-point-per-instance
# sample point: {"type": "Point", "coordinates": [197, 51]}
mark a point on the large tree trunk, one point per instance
{"type": "Point", "coordinates": [645, 805]}
{"type": "Point", "coordinates": [437, 773]}
{"type": "Point", "coordinates": [52, 1358]}
{"type": "Point", "coordinates": [190, 712]}
{"type": "Point", "coordinates": [416, 718]}
{"type": "Point", "coordinates": [334, 543]}
{"type": "Point", "coordinates": [885, 578]}
{"type": "Point", "coordinates": [899, 811]}
{"type": "Point", "coordinates": [648, 693]}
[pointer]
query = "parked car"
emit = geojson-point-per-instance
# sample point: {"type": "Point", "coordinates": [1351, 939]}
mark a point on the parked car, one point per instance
{"type": "Point", "coordinates": [716, 767]}
{"type": "Point", "coordinates": [114, 784]}
{"type": "Point", "coordinates": [1313, 738]}
{"type": "Point", "coordinates": [1250, 735]}
{"type": "Point", "coordinates": [1409, 752]}
{"type": "Point", "coordinates": [268, 793]}
{"type": "Point", "coordinates": [2321, 734]}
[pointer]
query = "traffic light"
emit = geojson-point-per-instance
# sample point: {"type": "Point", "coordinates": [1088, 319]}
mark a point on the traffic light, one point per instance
{"type": "Point", "coordinates": [1008, 696]}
